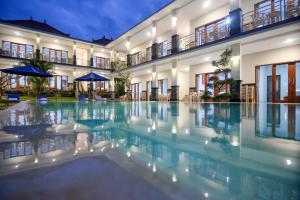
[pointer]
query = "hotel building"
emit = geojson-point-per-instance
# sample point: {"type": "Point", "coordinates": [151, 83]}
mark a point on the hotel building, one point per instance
{"type": "Point", "coordinates": [171, 51]}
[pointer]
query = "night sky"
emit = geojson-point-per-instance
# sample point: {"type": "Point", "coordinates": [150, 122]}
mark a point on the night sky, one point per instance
{"type": "Point", "coordinates": [83, 19]}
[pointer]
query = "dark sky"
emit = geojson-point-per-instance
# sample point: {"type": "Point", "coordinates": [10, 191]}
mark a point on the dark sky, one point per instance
{"type": "Point", "coordinates": [84, 19]}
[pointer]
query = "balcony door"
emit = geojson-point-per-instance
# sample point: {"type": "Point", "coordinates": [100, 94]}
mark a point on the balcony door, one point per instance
{"type": "Point", "coordinates": [278, 83]}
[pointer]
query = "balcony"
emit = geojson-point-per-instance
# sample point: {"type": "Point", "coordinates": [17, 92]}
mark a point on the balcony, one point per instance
{"type": "Point", "coordinates": [61, 61]}
{"type": "Point", "coordinates": [270, 12]}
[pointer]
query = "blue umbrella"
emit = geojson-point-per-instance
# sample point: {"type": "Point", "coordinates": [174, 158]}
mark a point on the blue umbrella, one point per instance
{"type": "Point", "coordinates": [92, 77]}
{"type": "Point", "coordinates": [26, 71]}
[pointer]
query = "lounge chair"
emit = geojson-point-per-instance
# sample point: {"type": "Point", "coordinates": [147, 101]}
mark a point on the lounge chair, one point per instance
{"type": "Point", "coordinates": [12, 98]}
{"type": "Point", "coordinates": [98, 97]}
{"type": "Point", "coordinates": [41, 98]}
{"type": "Point", "coordinates": [82, 98]}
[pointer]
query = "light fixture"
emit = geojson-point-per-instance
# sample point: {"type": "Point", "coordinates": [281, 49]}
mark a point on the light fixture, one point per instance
{"type": "Point", "coordinates": [149, 71]}
{"type": "Point", "coordinates": [53, 160]}
{"type": "Point", "coordinates": [288, 162]}
{"type": "Point", "coordinates": [227, 179]}
{"type": "Point", "coordinates": [289, 40]}
{"type": "Point", "coordinates": [186, 170]}
{"type": "Point", "coordinates": [38, 39]}
{"type": "Point", "coordinates": [206, 4]}
{"type": "Point", "coordinates": [56, 41]}
{"type": "Point", "coordinates": [36, 160]}
{"type": "Point", "coordinates": [153, 127]}
{"type": "Point", "coordinates": [18, 33]}
{"type": "Point", "coordinates": [228, 20]}
{"type": "Point", "coordinates": [17, 166]}
{"type": "Point", "coordinates": [148, 34]}
{"type": "Point", "coordinates": [174, 21]}
{"type": "Point", "coordinates": [149, 164]}
{"type": "Point", "coordinates": [91, 150]}
{"type": "Point", "coordinates": [206, 141]}
{"type": "Point", "coordinates": [207, 58]}
{"type": "Point", "coordinates": [206, 195]}
{"type": "Point", "coordinates": [149, 129]}
{"type": "Point", "coordinates": [128, 154]}
{"type": "Point", "coordinates": [102, 149]}
{"type": "Point", "coordinates": [127, 45]}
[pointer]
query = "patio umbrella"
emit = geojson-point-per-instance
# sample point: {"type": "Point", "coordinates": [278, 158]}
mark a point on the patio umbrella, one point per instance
{"type": "Point", "coordinates": [26, 71]}
{"type": "Point", "coordinates": [92, 77]}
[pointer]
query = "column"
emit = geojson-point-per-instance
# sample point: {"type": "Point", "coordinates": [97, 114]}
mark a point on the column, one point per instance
{"type": "Point", "coordinates": [112, 87]}
{"type": "Point", "coordinates": [154, 90]}
{"type": "Point", "coordinates": [235, 64]}
{"type": "Point", "coordinates": [92, 57]}
{"type": "Point", "coordinates": [175, 86]}
{"type": "Point", "coordinates": [175, 36]}
{"type": "Point", "coordinates": [128, 44]}
{"type": "Point", "coordinates": [154, 41]}
{"type": "Point", "coordinates": [74, 54]}
{"type": "Point", "coordinates": [38, 47]}
{"type": "Point", "coordinates": [235, 17]}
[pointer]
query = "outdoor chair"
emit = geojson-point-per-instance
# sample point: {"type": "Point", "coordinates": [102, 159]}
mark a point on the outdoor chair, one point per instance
{"type": "Point", "coordinates": [98, 97]}
{"type": "Point", "coordinates": [12, 98]}
{"type": "Point", "coordinates": [41, 98]}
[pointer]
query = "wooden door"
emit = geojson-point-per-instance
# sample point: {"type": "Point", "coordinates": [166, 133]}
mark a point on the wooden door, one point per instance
{"type": "Point", "coordinates": [292, 83]}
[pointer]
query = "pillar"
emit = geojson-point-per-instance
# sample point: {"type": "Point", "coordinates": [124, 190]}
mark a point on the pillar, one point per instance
{"type": "Point", "coordinates": [112, 87]}
{"type": "Point", "coordinates": [74, 54]}
{"type": "Point", "coordinates": [154, 41]}
{"type": "Point", "coordinates": [235, 64]}
{"type": "Point", "coordinates": [154, 90]}
{"type": "Point", "coordinates": [175, 36]}
{"type": "Point", "coordinates": [38, 47]}
{"type": "Point", "coordinates": [92, 57]}
{"type": "Point", "coordinates": [128, 44]}
{"type": "Point", "coordinates": [175, 85]}
{"type": "Point", "coordinates": [235, 17]}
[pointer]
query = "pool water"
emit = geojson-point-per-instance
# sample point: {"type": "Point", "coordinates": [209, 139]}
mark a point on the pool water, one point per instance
{"type": "Point", "coordinates": [198, 151]}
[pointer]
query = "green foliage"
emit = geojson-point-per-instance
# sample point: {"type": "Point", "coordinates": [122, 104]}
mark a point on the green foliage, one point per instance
{"type": "Point", "coordinates": [123, 78]}
{"type": "Point", "coordinates": [38, 83]}
{"type": "Point", "coordinates": [223, 67]}
{"type": "Point", "coordinates": [206, 95]}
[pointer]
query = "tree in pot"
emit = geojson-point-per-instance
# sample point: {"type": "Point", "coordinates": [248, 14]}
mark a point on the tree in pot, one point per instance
{"type": "Point", "coordinates": [38, 83]}
{"type": "Point", "coordinates": [223, 85]}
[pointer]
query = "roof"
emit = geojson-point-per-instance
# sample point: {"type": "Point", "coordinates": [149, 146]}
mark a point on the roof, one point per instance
{"type": "Point", "coordinates": [35, 25]}
{"type": "Point", "coordinates": [103, 41]}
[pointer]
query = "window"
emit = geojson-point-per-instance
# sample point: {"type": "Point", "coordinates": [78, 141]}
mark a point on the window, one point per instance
{"type": "Point", "coordinates": [53, 55]}
{"type": "Point", "coordinates": [101, 62]}
{"type": "Point", "coordinates": [58, 82]}
{"type": "Point", "coordinates": [200, 82]}
{"type": "Point", "coordinates": [163, 87]}
{"type": "Point", "coordinates": [17, 50]}
{"type": "Point", "coordinates": [212, 31]}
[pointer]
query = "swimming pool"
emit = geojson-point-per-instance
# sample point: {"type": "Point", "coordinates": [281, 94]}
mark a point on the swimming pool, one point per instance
{"type": "Point", "coordinates": [185, 151]}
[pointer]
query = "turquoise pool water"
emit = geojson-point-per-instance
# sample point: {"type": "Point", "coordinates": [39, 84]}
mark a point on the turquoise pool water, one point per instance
{"type": "Point", "coordinates": [201, 151]}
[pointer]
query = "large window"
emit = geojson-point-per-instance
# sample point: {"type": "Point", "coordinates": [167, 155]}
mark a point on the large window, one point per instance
{"type": "Point", "coordinates": [212, 31]}
{"type": "Point", "coordinates": [57, 56]}
{"type": "Point", "coordinates": [163, 87]}
{"type": "Point", "coordinates": [101, 62]}
{"type": "Point", "coordinates": [58, 82]}
{"type": "Point", "coordinates": [17, 50]}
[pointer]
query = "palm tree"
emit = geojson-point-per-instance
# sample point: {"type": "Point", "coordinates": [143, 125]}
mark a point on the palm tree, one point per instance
{"type": "Point", "coordinates": [38, 83]}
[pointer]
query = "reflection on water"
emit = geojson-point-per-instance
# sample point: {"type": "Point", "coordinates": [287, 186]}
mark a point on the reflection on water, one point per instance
{"type": "Point", "coordinates": [238, 151]}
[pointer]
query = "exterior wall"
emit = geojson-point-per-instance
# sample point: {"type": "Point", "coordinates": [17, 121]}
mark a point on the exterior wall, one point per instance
{"type": "Point", "coordinates": [17, 39]}
{"type": "Point", "coordinates": [267, 57]}
{"type": "Point", "coordinates": [183, 80]}
{"type": "Point", "coordinates": [200, 69]}
{"type": "Point", "coordinates": [212, 16]}
{"type": "Point", "coordinates": [142, 79]}
{"type": "Point", "coordinates": [165, 75]}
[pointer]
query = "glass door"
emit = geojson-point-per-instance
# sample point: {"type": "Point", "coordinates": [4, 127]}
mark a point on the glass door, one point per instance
{"type": "Point", "coordinates": [297, 82]}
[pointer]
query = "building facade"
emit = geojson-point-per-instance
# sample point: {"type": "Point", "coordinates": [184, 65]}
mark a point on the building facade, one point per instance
{"type": "Point", "coordinates": [170, 52]}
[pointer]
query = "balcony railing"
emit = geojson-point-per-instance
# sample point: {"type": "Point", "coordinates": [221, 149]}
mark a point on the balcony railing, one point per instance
{"type": "Point", "coordinates": [68, 61]}
{"type": "Point", "coordinates": [270, 13]}
{"type": "Point", "coordinates": [140, 57]}
{"type": "Point", "coordinates": [16, 54]}
{"type": "Point", "coordinates": [164, 49]}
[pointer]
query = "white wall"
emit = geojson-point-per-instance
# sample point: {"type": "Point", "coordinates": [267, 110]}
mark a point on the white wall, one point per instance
{"type": "Point", "coordinates": [200, 69]}
{"type": "Point", "coordinates": [210, 17]}
{"type": "Point", "coordinates": [249, 61]}
{"type": "Point", "coordinates": [142, 79]}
